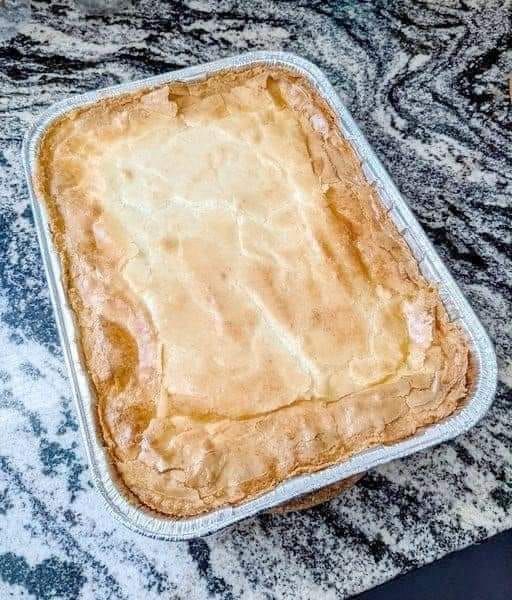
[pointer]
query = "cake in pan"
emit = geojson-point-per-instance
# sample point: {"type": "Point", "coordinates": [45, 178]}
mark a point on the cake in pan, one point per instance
{"type": "Point", "coordinates": [246, 309]}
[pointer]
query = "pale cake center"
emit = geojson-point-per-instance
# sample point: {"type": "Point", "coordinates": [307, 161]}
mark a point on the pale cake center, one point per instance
{"type": "Point", "coordinates": [256, 294]}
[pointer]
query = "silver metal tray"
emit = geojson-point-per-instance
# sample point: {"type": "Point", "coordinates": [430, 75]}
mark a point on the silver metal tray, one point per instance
{"type": "Point", "coordinates": [110, 488]}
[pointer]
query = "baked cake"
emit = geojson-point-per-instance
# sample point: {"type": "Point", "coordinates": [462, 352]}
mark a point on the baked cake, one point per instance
{"type": "Point", "coordinates": [247, 311]}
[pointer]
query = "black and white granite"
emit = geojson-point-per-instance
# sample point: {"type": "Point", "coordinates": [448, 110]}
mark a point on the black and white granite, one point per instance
{"type": "Point", "coordinates": [428, 83]}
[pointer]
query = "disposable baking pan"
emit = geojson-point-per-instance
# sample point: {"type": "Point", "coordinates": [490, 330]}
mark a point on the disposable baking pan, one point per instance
{"type": "Point", "coordinates": [116, 497]}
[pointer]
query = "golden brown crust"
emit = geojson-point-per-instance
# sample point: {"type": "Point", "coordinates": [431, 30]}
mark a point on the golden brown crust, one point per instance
{"type": "Point", "coordinates": [247, 310]}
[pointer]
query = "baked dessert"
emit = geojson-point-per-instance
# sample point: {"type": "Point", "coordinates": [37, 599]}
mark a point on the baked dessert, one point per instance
{"type": "Point", "coordinates": [246, 308]}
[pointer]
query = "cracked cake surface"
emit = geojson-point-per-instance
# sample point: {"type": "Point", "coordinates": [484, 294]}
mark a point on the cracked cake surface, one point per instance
{"type": "Point", "coordinates": [246, 308]}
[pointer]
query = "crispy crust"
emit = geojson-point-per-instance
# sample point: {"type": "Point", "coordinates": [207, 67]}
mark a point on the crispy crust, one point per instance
{"type": "Point", "coordinates": [247, 310]}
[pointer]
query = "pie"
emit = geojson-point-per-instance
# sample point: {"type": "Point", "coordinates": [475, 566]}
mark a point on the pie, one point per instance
{"type": "Point", "coordinates": [246, 308]}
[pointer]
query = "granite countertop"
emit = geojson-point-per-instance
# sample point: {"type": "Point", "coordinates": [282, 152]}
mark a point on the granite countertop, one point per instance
{"type": "Point", "coordinates": [427, 81]}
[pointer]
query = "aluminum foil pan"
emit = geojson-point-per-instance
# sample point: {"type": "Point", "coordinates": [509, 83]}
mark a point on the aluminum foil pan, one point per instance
{"type": "Point", "coordinates": [116, 497]}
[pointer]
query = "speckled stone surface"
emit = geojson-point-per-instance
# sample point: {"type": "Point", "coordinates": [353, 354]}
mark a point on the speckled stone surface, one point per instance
{"type": "Point", "coordinates": [428, 83]}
